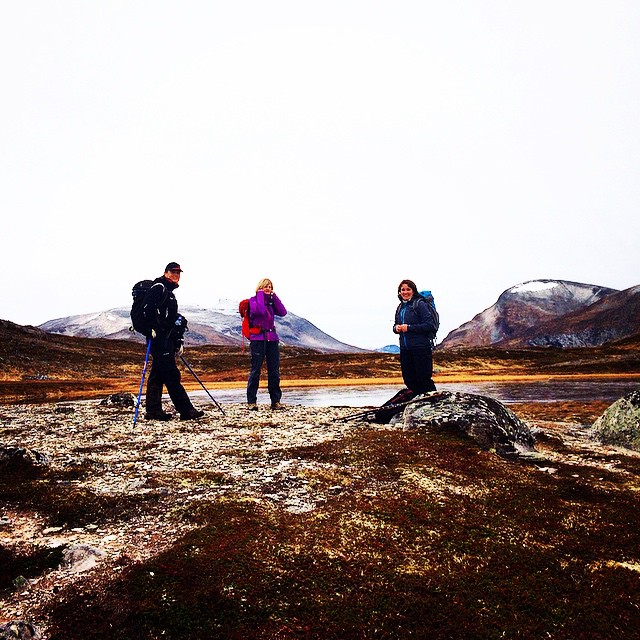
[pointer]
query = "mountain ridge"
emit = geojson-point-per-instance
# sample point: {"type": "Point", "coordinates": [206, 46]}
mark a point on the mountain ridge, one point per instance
{"type": "Point", "coordinates": [613, 318]}
{"type": "Point", "coordinates": [550, 312]}
{"type": "Point", "coordinates": [535, 313]}
{"type": "Point", "coordinates": [220, 326]}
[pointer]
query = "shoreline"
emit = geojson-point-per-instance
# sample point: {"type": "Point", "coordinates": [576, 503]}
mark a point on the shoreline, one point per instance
{"type": "Point", "coordinates": [442, 378]}
{"type": "Point", "coordinates": [64, 390]}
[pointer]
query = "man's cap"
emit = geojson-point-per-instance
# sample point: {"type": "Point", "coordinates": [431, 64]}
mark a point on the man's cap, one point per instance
{"type": "Point", "coordinates": [172, 266]}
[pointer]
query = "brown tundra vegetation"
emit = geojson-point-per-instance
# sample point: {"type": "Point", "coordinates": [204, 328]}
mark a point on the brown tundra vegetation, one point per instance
{"type": "Point", "coordinates": [295, 524]}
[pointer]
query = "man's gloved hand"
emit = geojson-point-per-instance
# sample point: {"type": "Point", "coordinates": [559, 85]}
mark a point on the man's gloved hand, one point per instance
{"type": "Point", "coordinates": [153, 333]}
{"type": "Point", "coordinates": [179, 348]}
{"type": "Point", "coordinates": [180, 327]}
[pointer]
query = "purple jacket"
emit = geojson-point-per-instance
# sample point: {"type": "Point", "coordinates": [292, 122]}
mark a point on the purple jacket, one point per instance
{"type": "Point", "coordinates": [262, 312]}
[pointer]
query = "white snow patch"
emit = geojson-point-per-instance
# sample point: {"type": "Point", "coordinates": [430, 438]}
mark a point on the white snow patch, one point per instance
{"type": "Point", "coordinates": [533, 285]}
{"type": "Point", "coordinates": [224, 306]}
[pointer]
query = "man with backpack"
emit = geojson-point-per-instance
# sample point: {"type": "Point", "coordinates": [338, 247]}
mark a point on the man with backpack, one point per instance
{"type": "Point", "coordinates": [165, 328]}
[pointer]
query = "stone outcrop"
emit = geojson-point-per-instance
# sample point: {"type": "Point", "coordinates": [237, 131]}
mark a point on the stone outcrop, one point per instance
{"type": "Point", "coordinates": [18, 630]}
{"type": "Point", "coordinates": [488, 422]}
{"type": "Point", "coordinates": [20, 459]}
{"type": "Point", "coordinates": [81, 557]}
{"type": "Point", "coordinates": [619, 425]}
{"type": "Point", "coordinates": [119, 400]}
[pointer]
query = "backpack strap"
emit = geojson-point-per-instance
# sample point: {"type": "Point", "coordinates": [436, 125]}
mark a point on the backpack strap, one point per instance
{"type": "Point", "coordinates": [156, 306]}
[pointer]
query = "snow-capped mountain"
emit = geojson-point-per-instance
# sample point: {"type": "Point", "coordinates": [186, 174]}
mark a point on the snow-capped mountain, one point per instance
{"type": "Point", "coordinates": [612, 318]}
{"type": "Point", "coordinates": [220, 325]}
{"type": "Point", "coordinates": [523, 313]}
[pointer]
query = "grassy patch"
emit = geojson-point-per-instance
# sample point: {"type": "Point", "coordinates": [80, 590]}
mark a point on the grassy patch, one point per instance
{"type": "Point", "coordinates": [26, 563]}
{"type": "Point", "coordinates": [55, 497]}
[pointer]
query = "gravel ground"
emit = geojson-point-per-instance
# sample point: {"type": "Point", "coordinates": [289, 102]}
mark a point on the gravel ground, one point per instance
{"type": "Point", "coordinates": [94, 449]}
{"type": "Point", "coordinates": [240, 454]}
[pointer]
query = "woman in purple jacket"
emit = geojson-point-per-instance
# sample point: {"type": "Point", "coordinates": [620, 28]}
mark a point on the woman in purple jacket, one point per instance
{"type": "Point", "coordinates": [263, 308]}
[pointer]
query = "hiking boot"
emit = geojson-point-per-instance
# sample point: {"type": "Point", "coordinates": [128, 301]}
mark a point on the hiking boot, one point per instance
{"type": "Point", "coordinates": [158, 415]}
{"type": "Point", "coordinates": [276, 406]}
{"type": "Point", "coordinates": [192, 414]}
{"type": "Point", "coordinates": [252, 406]}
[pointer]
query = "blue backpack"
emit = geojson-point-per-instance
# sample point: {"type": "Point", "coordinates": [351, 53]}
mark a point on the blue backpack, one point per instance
{"type": "Point", "coordinates": [431, 305]}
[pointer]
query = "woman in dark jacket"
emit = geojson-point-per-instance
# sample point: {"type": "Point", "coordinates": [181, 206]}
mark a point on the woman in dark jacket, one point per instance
{"type": "Point", "coordinates": [415, 327]}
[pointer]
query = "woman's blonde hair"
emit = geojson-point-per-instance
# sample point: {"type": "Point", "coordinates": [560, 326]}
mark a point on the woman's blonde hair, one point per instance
{"type": "Point", "coordinates": [263, 283]}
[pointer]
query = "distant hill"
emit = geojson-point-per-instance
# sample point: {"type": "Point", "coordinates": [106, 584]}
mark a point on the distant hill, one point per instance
{"type": "Point", "coordinates": [216, 326]}
{"type": "Point", "coordinates": [390, 348]}
{"type": "Point", "coordinates": [555, 313]}
{"type": "Point", "coordinates": [30, 353]}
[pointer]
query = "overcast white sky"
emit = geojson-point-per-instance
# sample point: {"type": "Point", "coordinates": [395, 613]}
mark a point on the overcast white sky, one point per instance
{"type": "Point", "coordinates": [334, 147]}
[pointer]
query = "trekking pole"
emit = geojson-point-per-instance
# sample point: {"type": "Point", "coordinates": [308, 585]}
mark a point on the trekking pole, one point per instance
{"type": "Point", "coordinates": [355, 416]}
{"type": "Point", "coordinates": [144, 373]}
{"type": "Point", "coordinates": [193, 373]}
{"type": "Point", "coordinates": [390, 407]}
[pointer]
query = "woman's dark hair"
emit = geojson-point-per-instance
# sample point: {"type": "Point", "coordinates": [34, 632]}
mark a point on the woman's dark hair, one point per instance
{"type": "Point", "coordinates": [411, 284]}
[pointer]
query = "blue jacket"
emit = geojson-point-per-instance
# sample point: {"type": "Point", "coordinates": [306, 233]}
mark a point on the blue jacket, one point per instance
{"type": "Point", "coordinates": [421, 330]}
{"type": "Point", "coordinates": [262, 312]}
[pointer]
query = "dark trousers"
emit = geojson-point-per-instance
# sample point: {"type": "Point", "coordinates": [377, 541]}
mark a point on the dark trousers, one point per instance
{"type": "Point", "coordinates": [164, 371]}
{"type": "Point", "coordinates": [417, 369]}
{"type": "Point", "coordinates": [261, 349]}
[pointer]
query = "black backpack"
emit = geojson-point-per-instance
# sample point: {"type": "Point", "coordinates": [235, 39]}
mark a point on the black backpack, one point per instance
{"type": "Point", "coordinates": [393, 406]}
{"type": "Point", "coordinates": [140, 322]}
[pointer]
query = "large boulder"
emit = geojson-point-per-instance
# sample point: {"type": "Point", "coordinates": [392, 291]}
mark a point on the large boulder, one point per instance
{"type": "Point", "coordinates": [18, 630]}
{"type": "Point", "coordinates": [119, 400]}
{"type": "Point", "coordinates": [20, 460]}
{"type": "Point", "coordinates": [619, 425]}
{"type": "Point", "coordinates": [81, 557]}
{"type": "Point", "coordinates": [485, 420]}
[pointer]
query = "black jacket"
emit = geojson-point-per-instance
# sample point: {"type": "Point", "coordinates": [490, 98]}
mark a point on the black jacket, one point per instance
{"type": "Point", "coordinates": [160, 307]}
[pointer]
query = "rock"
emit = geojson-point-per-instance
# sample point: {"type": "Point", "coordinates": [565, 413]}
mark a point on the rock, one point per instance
{"type": "Point", "coordinates": [64, 409]}
{"type": "Point", "coordinates": [119, 400]}
{"type": "Point", "coordinates": [483, 419]}
{"type": "Point", "coordinates": [19, 459]}
{"type": "Point", "coordinates": [619, 425]}
{"type": "Point", "coordinates": [18, 630]}
{"type": "Point", "coordinates": [19, 582]}
{"type": "Point", "coordinates": [81, 557]}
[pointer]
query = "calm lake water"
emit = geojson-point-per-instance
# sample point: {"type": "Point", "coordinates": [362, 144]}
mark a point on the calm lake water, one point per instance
{"type": "Point", "coordinates": [375, 395]}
